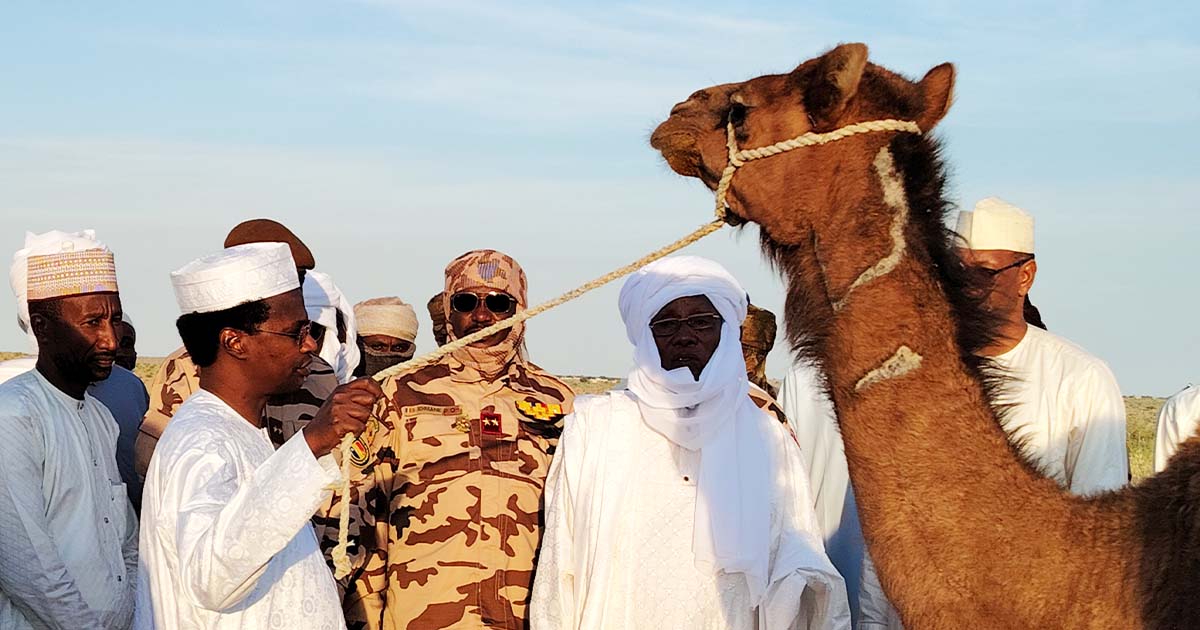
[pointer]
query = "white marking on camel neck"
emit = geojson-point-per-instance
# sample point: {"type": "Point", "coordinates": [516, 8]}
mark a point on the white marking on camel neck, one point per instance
{"type": "Point", "coordinates": [899, 364]}
{"type": "Point", "coordinates": [896, 199]}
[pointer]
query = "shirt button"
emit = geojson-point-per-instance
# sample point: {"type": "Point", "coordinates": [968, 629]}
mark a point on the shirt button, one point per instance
{"type": "Point", "coordinates": [685, 478]}
{"type": "Point", "coordinates": [106, 519]}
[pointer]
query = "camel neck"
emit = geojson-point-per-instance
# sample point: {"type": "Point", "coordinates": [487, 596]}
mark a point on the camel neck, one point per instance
{"type": "Point", "coordinates": [914, 415]}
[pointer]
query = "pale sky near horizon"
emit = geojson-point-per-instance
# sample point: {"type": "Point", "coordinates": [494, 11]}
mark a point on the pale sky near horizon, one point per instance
{"type": "Point", "coordinates": [394, 135]}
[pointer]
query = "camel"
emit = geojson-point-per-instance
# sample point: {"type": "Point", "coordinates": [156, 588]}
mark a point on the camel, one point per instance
{"type": "Point", "coordinates": [965, 533]}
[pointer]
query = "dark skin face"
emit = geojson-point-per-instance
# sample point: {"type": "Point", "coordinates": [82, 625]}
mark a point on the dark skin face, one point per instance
{"type": "Point", "coordinates": [126, 349]}
{"type": "Point", "coordinates": [250, 367]}
{"type": "Point", "coordinates": [1005, 290]}
{"type": "Point", "coordinates": [385, 343]}
{"type": "Point", "coordinates": [280, 359]}
{"type": "Point", "coordinates": [78, 344]}
{"type": "Point", "coordinates": [464, 324]}
{"type": "Point", "coordinates": [687, 347]}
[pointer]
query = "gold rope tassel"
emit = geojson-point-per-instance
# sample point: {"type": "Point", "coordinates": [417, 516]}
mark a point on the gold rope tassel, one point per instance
{"type": "Point", "coordinates": [737, 159]}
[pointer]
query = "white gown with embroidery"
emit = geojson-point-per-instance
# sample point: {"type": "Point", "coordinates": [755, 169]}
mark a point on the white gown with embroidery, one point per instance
{"type": "Point", "coordinates": [226, 540]}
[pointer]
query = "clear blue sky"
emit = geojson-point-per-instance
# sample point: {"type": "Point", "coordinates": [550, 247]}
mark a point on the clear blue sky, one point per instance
{"type": "Point", "coordinates": [393, 136]}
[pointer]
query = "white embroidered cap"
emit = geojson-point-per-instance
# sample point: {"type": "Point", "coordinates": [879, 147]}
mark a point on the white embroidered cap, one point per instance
{"type": "Point", "coordinates": [52, 242]}
{"type": "Point", "coordinates": [235, 275]}
{"type": "Point", "coordinates": [996, 224]}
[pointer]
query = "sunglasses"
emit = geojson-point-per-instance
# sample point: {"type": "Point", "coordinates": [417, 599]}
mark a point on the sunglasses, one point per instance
{"type": "Point", "coordinates": [498, 303]}
{"type": "Point", "coordinates": [300, 336]}
{"type": "Point", "coordinates": [703, 322]}
{"type": "Point", "coordinates": [995, 272]}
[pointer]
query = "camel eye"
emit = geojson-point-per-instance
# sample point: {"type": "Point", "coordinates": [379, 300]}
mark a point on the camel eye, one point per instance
{"type": "Point", "coordinates": [737, 113]}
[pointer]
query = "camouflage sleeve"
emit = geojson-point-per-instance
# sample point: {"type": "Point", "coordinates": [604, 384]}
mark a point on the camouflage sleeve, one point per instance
{"type": "Point", "coordinates": [174, 381]}
{"type": "Point", "coordinates": [371, 488]}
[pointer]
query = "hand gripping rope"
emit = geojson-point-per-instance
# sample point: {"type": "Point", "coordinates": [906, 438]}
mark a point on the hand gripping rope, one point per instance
{"type": "Point", "coordinates": [737, 159]}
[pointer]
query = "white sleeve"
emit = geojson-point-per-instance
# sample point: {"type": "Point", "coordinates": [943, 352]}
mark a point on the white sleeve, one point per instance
{"type": "Point", "coordinates": [552, 602]}
{"type": "Point", "coordinates": [875, 611]}
{"type": "Point", "coordinates": [1176, 423]}
{"type": "Point", "coordinates": [31, 572]}
{"type": "Point", "coordinates": [805, 591]}
{"type": "Point", "coordinates": [229, 529]}
{"type": "Point", "coordinates": [1097, 459]}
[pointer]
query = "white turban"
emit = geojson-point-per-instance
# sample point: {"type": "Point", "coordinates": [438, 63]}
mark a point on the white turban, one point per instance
{"type": "Point", "coordinates": [323, 301]}
{"type": "Point", "coordinates": [52, 242]}
{"type": "Point", "coordinates": [713, 415]}
{"type": "Point", "coordinates": [386, 316]}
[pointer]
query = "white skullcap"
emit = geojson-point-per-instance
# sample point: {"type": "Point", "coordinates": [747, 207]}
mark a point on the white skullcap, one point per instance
{"type": "Point", "coordinates": [996, 224]}
{"type": "Point", "coordinates": [233, 276]}
{"type": "Point", "coordinates": [386, 316]}
{"type": "Point", "coordinates": [52, 242]}
{"type": "Point", "coordinates": [324, 300]}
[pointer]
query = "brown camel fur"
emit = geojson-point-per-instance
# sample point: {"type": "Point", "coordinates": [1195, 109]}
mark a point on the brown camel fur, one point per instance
{"type": "Point", "coordinates": [964, 532]}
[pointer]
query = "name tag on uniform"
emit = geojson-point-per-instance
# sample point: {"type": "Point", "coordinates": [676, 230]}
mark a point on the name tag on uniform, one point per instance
{"type": "Point", "coordinates": [430, 410]}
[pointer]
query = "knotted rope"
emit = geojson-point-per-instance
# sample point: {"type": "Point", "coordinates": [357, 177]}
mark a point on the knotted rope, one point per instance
{"type": "Point", "coordinates": [737, 159]}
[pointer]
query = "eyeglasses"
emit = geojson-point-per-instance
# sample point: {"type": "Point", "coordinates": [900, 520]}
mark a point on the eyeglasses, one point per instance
{"type": "Point", "coordinates": [995, 272]}
{"type": "Point", "coordinates": [300, 336]}
{"type": "Point", "coordinates": [703, 322]}
{"type": "Point", "coordinates": [497, 303]}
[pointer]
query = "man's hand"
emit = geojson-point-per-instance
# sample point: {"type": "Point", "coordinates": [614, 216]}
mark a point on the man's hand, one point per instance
{"type": "Point", "coordinates": [346, 411]}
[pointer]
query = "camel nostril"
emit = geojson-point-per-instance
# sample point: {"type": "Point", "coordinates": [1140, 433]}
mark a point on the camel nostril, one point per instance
{"type": "Point", "coordinates": [679, 107]}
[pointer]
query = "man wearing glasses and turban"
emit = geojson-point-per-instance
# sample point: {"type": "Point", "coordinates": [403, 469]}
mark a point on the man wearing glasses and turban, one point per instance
{"type": "Point", "coordinates": [447, 480]}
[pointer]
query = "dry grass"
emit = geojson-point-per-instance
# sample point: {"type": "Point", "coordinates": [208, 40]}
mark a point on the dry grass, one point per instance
{"type": "Point", "coordinates": [1141, 416]}
{"type": "Point", "coordinates": [1141, 411]}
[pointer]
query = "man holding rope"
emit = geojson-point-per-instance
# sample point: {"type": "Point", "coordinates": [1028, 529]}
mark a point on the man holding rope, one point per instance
{"type": "Point", "coordinates": [226, 541]}
{"type": "Point", "coordinates": [447, 479]}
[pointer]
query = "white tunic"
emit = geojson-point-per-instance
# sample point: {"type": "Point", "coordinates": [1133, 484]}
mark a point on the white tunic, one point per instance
{"type": "Point", "coordinates": [810, 414]}
{"type": "Point", "coordinates": [14, 367]}
{"type": "Point", "coordinates": [68, 555]}
{"type": "Point", "coordinates": [617, 546]}
{"type": "Point", "coordinates": [1068, 410]}
{"type": "Point", "coordinates": [1177, 422]}
{"type": "Point", "coordinates": [226, 537]}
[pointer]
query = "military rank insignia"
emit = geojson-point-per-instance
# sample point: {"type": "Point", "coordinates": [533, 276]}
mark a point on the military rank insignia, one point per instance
{"type": "Point", "coordinates": [360, 449]}
{"type": "Point", "coordinates": [540, 411]}
{"type": "Point", "coordinates": [489, 423]}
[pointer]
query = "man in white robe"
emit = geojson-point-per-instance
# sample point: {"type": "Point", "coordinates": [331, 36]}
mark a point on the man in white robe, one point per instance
{"type": "Point", "coordinates": [1177, 421]}
{"type": "Point", "coordinates": [226, 539]}
{"type": "Point", "coordinates": [68, 556]}
{"type": "Point", "coordinates": [1064, 404]}
{"type": "Point", "coordinates": [678, 503]}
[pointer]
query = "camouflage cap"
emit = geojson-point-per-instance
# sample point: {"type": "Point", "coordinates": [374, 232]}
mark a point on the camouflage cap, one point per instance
{"type": "Point", "coordinates": [486, 268]}
{"type": "Point", "coordinates": [759, 329]}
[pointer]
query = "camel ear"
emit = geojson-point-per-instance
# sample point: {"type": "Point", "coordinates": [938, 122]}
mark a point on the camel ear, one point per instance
{"type": "Point", "coordinates": [937, 90]}
{"type": "Point", "coordinates": [829, 81]}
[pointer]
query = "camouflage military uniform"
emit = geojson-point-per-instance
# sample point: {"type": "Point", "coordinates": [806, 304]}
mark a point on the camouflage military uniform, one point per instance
{"type": "Point", "coordinates": [767, 403]}
{"type": "Point", "coordinates": [758, 337]}
{"type": "Point", "coordinates": [179, 378]}
{"type": "Point", "coordinates": [446, 510]}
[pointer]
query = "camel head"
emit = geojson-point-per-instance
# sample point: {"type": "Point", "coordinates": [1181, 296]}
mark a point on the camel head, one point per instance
{"type": "Point", "coordinates": [790, 193]}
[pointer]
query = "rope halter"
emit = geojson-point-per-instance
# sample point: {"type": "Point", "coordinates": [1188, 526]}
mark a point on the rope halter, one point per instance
{"type": "Point", "coordinates": [738, 158]}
